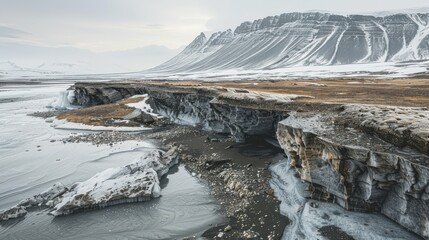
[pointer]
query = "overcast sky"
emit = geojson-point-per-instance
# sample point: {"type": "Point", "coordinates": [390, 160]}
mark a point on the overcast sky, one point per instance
{"type": "Point", "coordinates": [108, 25]}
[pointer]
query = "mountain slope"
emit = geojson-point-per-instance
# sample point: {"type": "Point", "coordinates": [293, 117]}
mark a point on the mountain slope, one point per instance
{"type": "Point", "coordinates": [305, 39]}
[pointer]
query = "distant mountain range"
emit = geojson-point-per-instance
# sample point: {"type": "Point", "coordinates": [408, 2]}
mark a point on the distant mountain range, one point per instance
{"type": "Point", "coordinates": [306, 39]}
{"type": "Point", "coordinates": [26, 60]}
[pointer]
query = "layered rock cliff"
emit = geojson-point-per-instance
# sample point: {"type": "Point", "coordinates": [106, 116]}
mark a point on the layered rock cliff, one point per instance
{"type": "Point", "coordinates": [300, 39]}
{"type": "Point", "coordinates": [364, 158]}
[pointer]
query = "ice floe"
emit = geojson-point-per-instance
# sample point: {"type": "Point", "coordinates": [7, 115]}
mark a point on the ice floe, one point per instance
{"type": "Point", "coordinates": [135, 182]}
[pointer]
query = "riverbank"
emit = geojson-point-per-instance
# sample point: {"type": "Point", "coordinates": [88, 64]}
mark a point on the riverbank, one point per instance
{"type": "Point", "coordinates": [343, 151]}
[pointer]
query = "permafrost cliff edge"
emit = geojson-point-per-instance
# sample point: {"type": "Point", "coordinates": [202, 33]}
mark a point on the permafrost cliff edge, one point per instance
{"type": "Point", "coordinates": [364, 158]}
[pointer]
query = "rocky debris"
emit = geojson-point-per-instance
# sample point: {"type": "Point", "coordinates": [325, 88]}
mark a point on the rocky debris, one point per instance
{"type": "Point", "coordinates": [46, 114]}
{"type": "Point", "coordinates": [107, 137]}
{"type": "Point", "coordinates": [249, 234]}
{"type": "Point", "coordinates": [138, 181]}
{"type": "Point", "coordinates": [240, 190]}
{"type": "Point", "coordinates": [227, 228]}
{"type": "Point", "coordinates": [211, 164]}
{"type": "Point", "coordinates": [233, 182]}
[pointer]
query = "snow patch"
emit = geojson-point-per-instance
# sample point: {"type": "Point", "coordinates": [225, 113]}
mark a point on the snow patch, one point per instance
{"type": "Point", "coordinates": [240, 94]}
{"type": "Point", "coordinates": [144, 105]}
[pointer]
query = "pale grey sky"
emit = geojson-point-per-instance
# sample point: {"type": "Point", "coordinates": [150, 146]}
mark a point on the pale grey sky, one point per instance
{"type": "Point", "coordinates": [109, 25]}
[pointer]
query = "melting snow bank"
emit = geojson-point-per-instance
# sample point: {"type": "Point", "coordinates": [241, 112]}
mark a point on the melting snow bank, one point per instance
{"type": "Point", "coordinates": [144, 105]}
{"type": "Point", "coordinates": [135, 182]}
{"type": "Point", "coordinates": [308, 216]}
{"type": "Point", "coordinates": [64, 100]}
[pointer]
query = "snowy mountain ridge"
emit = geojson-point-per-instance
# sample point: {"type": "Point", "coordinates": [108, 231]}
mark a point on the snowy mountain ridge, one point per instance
{"type": "Point", "coordinates": [306, 39]}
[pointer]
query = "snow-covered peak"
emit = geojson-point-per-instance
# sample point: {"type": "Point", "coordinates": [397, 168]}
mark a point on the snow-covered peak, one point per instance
{"type": "Point", "coordinates": [307, 39]}
{"type": "Point", "coordinates": [196, 44]}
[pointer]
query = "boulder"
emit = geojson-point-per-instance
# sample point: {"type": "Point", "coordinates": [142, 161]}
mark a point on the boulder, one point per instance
{"type": "Point", "coordinates": [139, 116]}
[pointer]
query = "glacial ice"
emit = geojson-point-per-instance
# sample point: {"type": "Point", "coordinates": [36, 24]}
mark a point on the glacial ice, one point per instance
{"type": "Point", "coordinates": [306, 220]}
{"type": "Point", "coordinates": [135, 182]}
{"type": "Point", "coordinates": [43, 199]}
{"type": "Point", "coordinates": [124, 184]}
{"type": "Point", "coordinates": [64, 100]}
{"type": "Point", "coordinates": [13, 212]}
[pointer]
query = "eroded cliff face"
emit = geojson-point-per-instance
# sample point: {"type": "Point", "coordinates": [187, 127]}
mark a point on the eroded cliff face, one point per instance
{"type": "Point", "coordinates": [364, 158]}
{"type": "Point", "coordinates": [202, 107]}
{"type": "Point", "coordinates": [357, 170]}
{"type": "Point", "coordinates": [213, 115]}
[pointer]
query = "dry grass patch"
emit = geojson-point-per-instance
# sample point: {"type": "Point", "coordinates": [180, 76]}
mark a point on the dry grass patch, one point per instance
{"type": "Point", "coordinates": [103, 115]}
{"type": "Point", "coordinates": [98, 115]}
